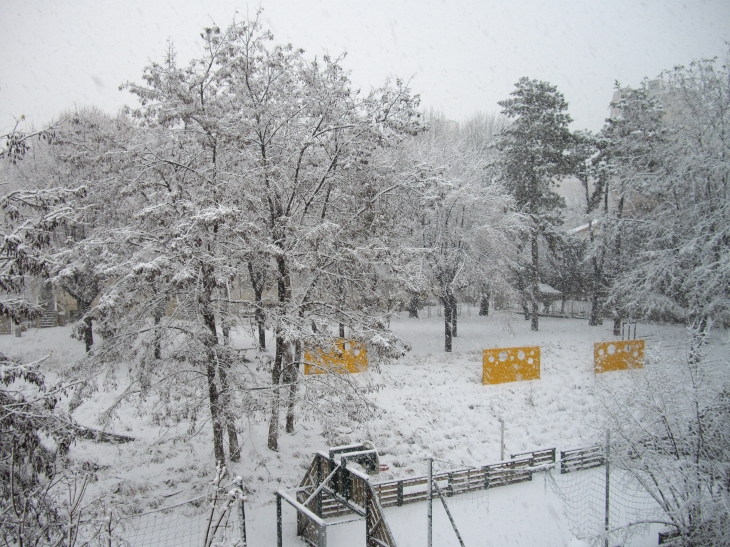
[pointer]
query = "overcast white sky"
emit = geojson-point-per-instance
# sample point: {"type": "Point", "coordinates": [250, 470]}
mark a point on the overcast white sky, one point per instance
{"type": "Point", "coordinates": [463, 56]}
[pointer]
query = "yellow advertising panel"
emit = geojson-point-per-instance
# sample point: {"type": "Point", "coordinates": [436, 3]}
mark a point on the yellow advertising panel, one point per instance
{"type": "Point", "coordinates": [618, 355]}
{"type": "Point", "coordinates": [502, 365]}
{"type": "Point", "coordinates": [345, 356]}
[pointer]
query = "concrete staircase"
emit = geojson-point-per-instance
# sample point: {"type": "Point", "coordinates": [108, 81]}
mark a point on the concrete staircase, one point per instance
{"type": "Point", "coordinates": [47, 299]}
{"type": "Point", "coordinates": [49, 319]}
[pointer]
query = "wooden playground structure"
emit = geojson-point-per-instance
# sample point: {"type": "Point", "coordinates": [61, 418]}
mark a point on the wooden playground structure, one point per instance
{"type": "Point", "coordinates": [332, 489]}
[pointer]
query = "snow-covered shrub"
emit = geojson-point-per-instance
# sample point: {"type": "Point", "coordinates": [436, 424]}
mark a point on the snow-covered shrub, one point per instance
{"type": "Point", "coordinates": [32, 438]}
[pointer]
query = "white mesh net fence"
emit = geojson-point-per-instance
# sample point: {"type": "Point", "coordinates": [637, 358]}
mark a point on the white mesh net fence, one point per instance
{"type": "Point", "coordinates": [584, 497]}
{"type": "Point", "coordinates": [212, 520]}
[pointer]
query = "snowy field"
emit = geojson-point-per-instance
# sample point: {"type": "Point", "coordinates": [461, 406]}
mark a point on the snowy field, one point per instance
{"type": "Point", "coordinates": [430, 404]}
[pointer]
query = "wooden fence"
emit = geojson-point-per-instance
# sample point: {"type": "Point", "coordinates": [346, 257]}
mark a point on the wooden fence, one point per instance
{"type": "Point", "coordinates": [518, 469]}
{"type": "Point", "coordinates": [576, 309]}
{"type": "Point", "coordinates": [582, 458]}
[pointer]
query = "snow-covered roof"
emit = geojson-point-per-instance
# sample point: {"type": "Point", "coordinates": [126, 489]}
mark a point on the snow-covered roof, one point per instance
{"type": "Point", "coordinates": [584, 227]}
{"type": "Point", "coordinates": [547, 289]}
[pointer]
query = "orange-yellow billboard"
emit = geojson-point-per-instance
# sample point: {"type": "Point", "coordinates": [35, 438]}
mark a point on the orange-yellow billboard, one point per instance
{"type": "Point", "coordinates": [500, 365]}
{"type": "Point", "coordinates": [345, 356]}
{"type": "Point", "coordinates": [618, 355]}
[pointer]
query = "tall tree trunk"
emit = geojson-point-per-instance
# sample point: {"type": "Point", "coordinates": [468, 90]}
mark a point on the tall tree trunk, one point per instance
{"type": "Point", "coordinates": [86, 326]}
{"type": "Point", "coordinates": [484, 304]}
{"type": "Point", "coordinates": [596, 316]}
{"type": "Point", "coordinates": [84, 294]}
{"type": "Point", "coordinates": [535, 280]}
{"type": "Point", "coordinates": [522, 288]}
{"type": "Point", "coordinates": [617, 312]}
{"type": "Point", "coordinates": [260, 320]}
{"type": "Point", "coordinates": [217, 414]}
{"type": "Point", "coordinates": [284, 295]}
{"type": "Point", "coordinates": [700, 328]}
{"type": "Point", "coordinates": [234, 451]}
{"type": "Point", "coordinates": [257, 283]}
{"type": "Point", "coordinates": [224, 367]}
{"type": "Point", "coordinates": [454, 314]}
{"type": "Point", "coordinates": [448, 315]}
{"type": "Point", "coordinates": [262, 333]}
{"type": "Point", "coordinates": [157, 339]}
{"type": "Point", "coordinates": [292, 376]}
{"type": "Point", "coordinates": [616, 323]}
{"type": "Point", "coordinates": [273, 442]}
{"type": "Point", "coordinates": [522, 281]}
{"type": "Point", "coordinates": [88, 332]}
{"type": "Point", "coordinates": [413, 307]}
{"type": "Point", "coordinates": [214, 399]}
{"type": "Point", "coordinates": [226, 329]}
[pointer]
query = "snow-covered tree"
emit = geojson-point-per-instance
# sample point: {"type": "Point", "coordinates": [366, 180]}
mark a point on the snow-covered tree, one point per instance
{"type": "Point", "coordinates": [35, 208]}
{"type": "Point", "coordinates": [35, 438]}
{"type": "Point", "coordinates": [64, 194]}
{"type": "Point", "coordinates": [535, 155]}
{"type": "Point", "coordinates": [592, 166]}
{"type": "Point", "coordinates": [461, 220]}
{"type": "Point", "coordinates": [253, 163]}
{"type": "Point", "coordinates": [89, 149]}
{"type": "Point", "coordinates": [676, 225]}
{"type": "Point", "coordinates": [627, 159]}
{"type": "Point", "coordinates": [660, 176]}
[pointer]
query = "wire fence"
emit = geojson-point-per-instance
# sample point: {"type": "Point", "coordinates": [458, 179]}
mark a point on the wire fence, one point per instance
{"type": "Point", "coordinates": [186, 525]}
{"type": "Point", "coordinates": [214, 519]}
{"type": "Point", "coordinates": [630, 507]}
{"type": "Point", "coordinates": [602, 506]}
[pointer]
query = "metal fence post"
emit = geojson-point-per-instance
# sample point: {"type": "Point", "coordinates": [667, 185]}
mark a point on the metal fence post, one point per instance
{"type": "Point", "coordinates": [243, 523]}
{"type": "Point", "coordinates": [430, 502]}
{"type": "Point", "coordinates": [368, 518]}
{"type": "Point", "coordinates": [608, 441]}
{"type": "Point", "coordinates": [278, 521]}
{"type": "Point", "coordinates": [319, 481]}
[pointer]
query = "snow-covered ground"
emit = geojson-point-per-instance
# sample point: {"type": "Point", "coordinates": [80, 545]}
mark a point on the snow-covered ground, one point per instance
{"type": "Point", "coordinates": [431, 404]}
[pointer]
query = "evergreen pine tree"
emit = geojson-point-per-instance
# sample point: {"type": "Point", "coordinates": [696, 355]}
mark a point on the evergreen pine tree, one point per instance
{"type": "Point", "coordinates": [535, 155]}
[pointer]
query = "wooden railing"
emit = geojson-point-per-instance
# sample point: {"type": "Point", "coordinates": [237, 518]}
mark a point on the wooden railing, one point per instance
{"type": "Point", "coordinates": [402, 491]}
{"type": "Point", "coordinates": [582, 458]}
{"type": "Point", "coordinates": [539, 457]}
